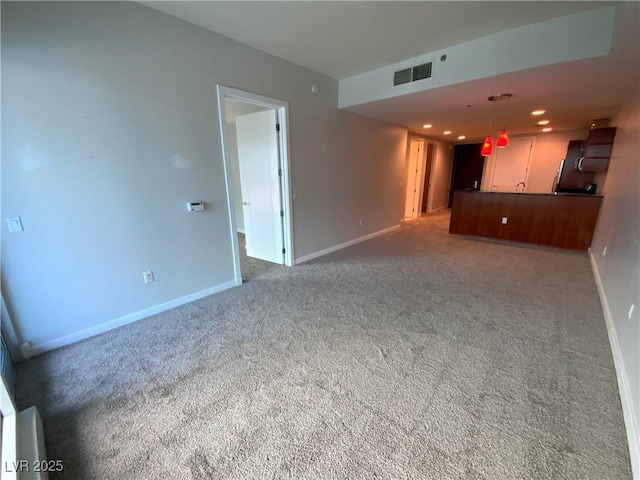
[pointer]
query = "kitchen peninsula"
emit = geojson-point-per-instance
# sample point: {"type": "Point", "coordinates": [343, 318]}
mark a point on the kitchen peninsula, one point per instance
{"type": "Point", "coordinates": [556, 220]}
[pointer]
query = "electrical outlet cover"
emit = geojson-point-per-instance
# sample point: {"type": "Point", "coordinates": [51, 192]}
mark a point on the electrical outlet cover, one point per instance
{"type": "Point", "coordinates": [15, 224]}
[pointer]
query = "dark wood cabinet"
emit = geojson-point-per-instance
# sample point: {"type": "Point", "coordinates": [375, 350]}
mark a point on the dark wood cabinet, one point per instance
{"type": "Point", "coordinates": [596, 150]}
{"type": "Point", "coordinates": [562, 221]}
{"type": "Point", "coordinates": [602, 135]}
{"type": "Point", "coordinates": [594, 164]}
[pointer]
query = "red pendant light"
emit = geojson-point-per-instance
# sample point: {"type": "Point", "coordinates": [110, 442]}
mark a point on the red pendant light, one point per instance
{"type": "Point", "coordinates": [503, 139]}
{"type": "Point", "coordinates": [487, 146]}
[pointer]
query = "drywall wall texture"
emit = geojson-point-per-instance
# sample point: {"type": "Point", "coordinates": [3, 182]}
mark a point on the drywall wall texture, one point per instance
{"type": "Point", "coordinates": [351, 172]}
{"type": "Point", "coordinates": [619, 270]}
{"type": "Point", "coordinates": [110, 125]}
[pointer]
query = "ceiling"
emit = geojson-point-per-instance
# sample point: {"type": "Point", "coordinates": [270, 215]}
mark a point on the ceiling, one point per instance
{"type": "Point", "coordinates": [344, 38]}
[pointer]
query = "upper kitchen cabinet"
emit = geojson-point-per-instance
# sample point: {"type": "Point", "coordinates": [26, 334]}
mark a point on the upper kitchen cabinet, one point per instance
{"type": "Point", "coordinates": [596, 150]}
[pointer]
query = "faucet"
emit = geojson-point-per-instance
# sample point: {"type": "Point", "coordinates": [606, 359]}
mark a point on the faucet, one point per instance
{"type": "Point", "coordinates": [523, 186]}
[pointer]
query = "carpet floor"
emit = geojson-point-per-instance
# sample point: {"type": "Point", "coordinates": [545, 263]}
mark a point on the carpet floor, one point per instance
{"type": "Point", "coordinates": [414, 355]}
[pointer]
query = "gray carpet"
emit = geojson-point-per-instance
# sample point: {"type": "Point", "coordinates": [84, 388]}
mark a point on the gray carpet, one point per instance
{"type": "Point", "coordinates": [413, 355]}
{"type": "Point", "coordinates": [251, 267]}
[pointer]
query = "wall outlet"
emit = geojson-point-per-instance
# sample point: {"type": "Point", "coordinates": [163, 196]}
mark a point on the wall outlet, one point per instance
{"type": "Point", "coordinates": [15, 224]}
{"type": "Point", "coordinates": [604, 251]}
{"type": "Point", "coordinates": [148, 276]}
{"type": "Point", "coordinates": [504, 220]}
{"type": "Point", "coordinates": [633, 305]}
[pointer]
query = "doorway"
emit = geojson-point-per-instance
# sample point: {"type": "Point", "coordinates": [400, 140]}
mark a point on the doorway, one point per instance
{"type": "Point", "coordinates": [468, 165]}
{"type": "Point", "coordinates": [420, 163]}
{"type": "Point", "coordinates": [415, 178]}
{"type": "Point", "coordinates": [255, 148]}
{"type": "Point", "coordinates": [426, 198]}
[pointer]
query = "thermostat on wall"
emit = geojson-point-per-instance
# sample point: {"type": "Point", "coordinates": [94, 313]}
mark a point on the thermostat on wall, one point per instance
{"type": "Point", "coordinates": [195, 206]}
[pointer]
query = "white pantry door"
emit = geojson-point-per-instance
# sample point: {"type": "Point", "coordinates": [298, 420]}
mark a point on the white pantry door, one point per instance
{"type": "Point", "coordinates": [258, 155]}
{"type": "Point", "coordinates": [412, 207]}
{"type": "Point", "coordinates": [512, 165]}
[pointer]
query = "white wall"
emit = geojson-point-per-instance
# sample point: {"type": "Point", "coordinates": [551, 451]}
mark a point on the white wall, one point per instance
{"type": "Point", "coordinates": [110, 125]}
{"type": "Point", "coordinates": [618, 272]}
{"type": "Point", "coordinates": [348, 170]}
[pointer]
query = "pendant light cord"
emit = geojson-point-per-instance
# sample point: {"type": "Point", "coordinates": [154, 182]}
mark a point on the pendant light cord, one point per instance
{"type": "Point", "coordinates": [493, 104]}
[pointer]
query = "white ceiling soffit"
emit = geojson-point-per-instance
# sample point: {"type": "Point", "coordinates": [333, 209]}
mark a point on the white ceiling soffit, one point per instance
{"type": "Point", "coordinates": [573, 92]}
{"type": "Point", "coordinates": [346, 38]}
{"type": "Point", "coordinates": [529, 46]}
{"type": "Point", "coordinates": [343, 38]}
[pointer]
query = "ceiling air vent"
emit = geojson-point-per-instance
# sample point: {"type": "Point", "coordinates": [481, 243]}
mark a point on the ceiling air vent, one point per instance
{"type": "Point", "coordinates": [412, 74]}
{"type": "Point", "coordinates": [402, 76]}
{"type": "Point", "coordinates": [421, 71]}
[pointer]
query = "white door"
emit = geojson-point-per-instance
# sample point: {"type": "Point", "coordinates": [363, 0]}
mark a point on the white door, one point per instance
{"type": "Point", "coordinates": [512, 165]}
{"type": "Point", "coordinates": [413, 198]}
{"type": "Point", "coordinates": [258, 155]}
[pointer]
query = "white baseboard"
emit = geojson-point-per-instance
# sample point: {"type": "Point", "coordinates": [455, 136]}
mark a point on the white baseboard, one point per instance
{"type": "Point", "coordinates": [311, 256]}
{"type": "Point", "coordinates": [623, 383]}
{"type": "Point", "coordinates": [29, 350]}
{"type": "Point", "coordinates": [31, 446]}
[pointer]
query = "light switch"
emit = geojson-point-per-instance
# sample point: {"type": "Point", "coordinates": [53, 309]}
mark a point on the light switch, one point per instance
{"type": "Point", "coordinates": [15, 224]}
{"type": "Point", "coordinates": [504, 220]}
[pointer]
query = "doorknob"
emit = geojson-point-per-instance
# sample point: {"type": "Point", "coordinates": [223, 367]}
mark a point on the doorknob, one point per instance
{"type": "Point", "coordinates": [246, 203]}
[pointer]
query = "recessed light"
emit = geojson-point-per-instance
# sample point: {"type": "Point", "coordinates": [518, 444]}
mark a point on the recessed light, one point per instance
{"type": "Point", "coordinates": [543, 122]}
{"type": "Point", "coordinates": [538, 112]}
{"type": "Point", "coordinates": [461, 137]}
{"type": "Point", "coordinates": [447, 132]}
{"type": "Point", "coordinates": [427, 125]}
{"type": "Point", "coordinates": [547, 129]}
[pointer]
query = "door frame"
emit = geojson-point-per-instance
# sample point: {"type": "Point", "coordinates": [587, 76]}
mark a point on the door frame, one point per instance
{"type": "Point", "coordinates": [282, 111]}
